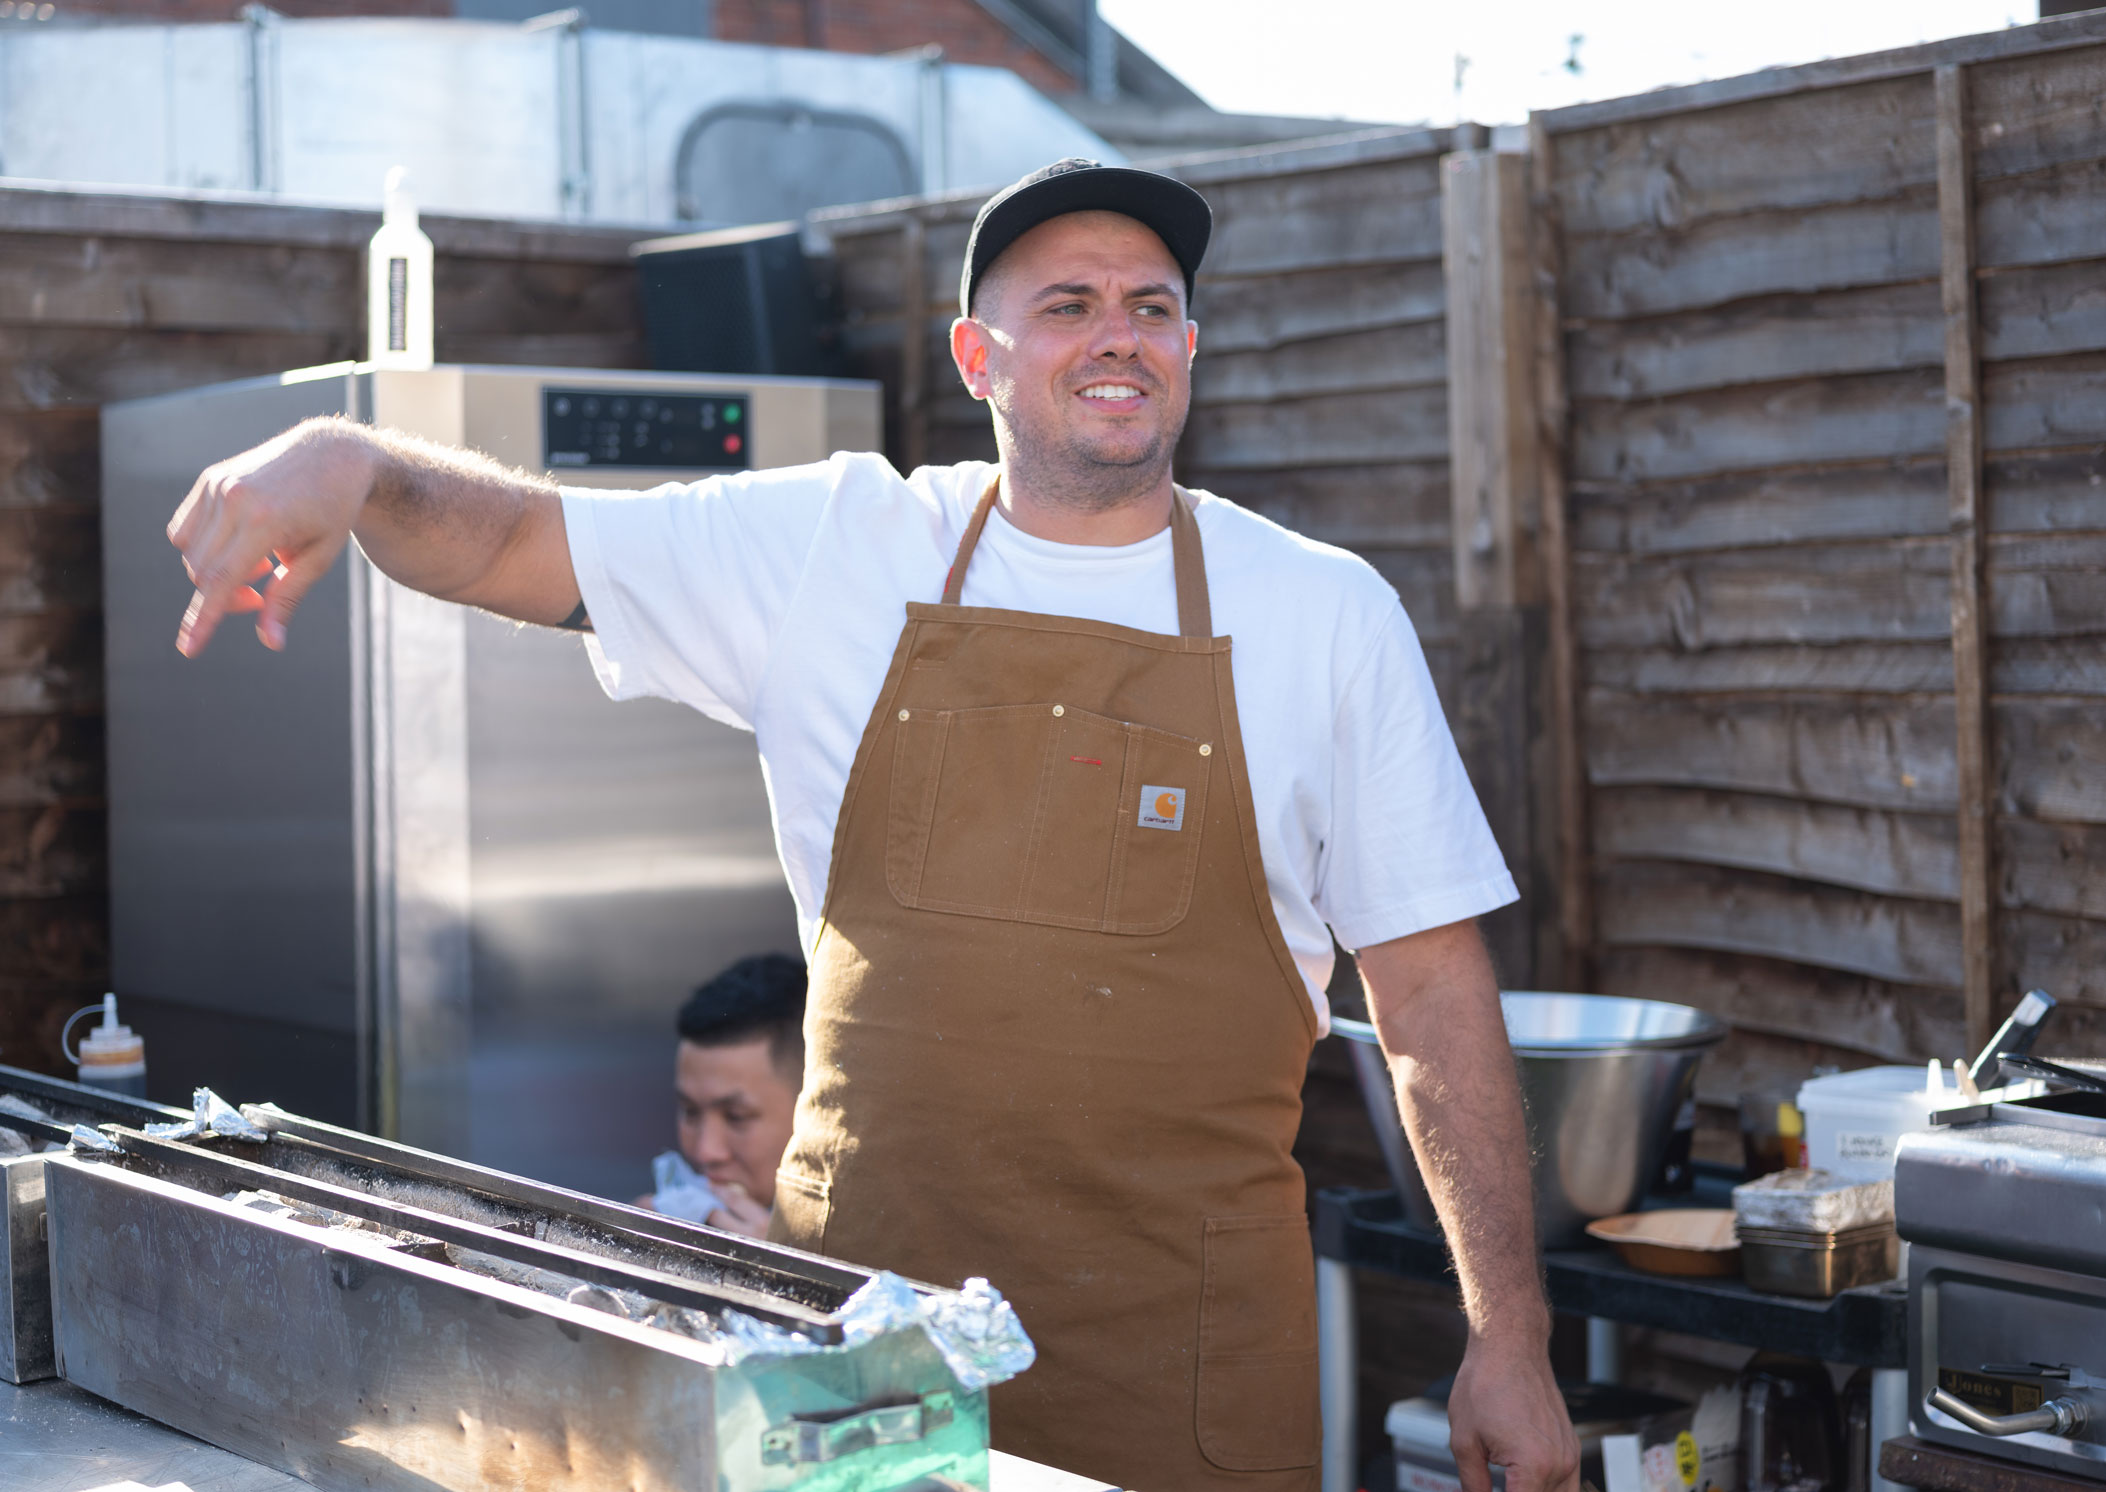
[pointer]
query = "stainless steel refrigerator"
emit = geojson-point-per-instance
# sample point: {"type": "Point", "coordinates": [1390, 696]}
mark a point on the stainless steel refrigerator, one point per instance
{"type": "Point", "coordinates": [416, 873]}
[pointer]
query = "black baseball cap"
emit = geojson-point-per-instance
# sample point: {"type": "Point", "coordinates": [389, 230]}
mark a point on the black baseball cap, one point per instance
{"type": "Point", "coordinates": [1178, 215]}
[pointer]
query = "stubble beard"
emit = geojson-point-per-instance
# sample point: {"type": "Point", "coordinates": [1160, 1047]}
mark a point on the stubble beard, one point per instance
{"type": "Point", "coordinates": [1064, 472]}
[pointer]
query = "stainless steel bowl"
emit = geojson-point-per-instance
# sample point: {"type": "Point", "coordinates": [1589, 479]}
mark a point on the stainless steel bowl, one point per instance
{"type": "Point", "coordinates": [1602, 1078]}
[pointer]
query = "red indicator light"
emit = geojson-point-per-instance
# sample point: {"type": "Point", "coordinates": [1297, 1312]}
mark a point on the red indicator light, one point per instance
{"type": "Point", "coordinates": [733, 445]}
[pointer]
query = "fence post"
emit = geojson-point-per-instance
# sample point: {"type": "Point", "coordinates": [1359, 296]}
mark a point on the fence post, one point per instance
{"type": "Point", "coordinates": [1963, 475]}
{"type": "Point", "coordinates": [1500, 695]}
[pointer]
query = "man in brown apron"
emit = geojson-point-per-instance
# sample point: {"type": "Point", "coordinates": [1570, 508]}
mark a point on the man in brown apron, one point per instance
{"type": "Point", "coordinates": [1055, 1034]}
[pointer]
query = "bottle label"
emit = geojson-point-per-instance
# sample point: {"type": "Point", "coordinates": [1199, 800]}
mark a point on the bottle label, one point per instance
{"type": "Point", "coordinates": [398, 305]}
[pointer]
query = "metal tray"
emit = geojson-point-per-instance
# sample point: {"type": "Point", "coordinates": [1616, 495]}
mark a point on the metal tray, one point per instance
{"type": "Point", "coordinates": [448, 1339]}
{"type": "Point", "coordinates": [25, 1271]}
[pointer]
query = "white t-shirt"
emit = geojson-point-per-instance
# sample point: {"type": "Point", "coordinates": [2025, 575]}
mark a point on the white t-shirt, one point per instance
{"type": "Point", "coordinates": [773, 600]}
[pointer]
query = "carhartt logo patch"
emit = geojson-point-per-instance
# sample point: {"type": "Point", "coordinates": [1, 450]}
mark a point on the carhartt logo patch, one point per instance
{"type": "Point", "coordinates": [1162, 808]}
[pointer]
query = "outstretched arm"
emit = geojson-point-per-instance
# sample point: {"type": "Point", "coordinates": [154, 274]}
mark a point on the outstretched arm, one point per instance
{"type": "Point", "coordinates": [1434, 1000]}
{"type": "Point", "coordinates": [258, 530]}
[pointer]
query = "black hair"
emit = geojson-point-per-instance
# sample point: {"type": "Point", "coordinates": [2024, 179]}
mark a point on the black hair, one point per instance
{"type": "Point", "coordinates": [760, 996]}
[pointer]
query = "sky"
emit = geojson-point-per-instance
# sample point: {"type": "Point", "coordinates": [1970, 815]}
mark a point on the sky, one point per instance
{"type": "Point", "coordinates": [1403, 61]}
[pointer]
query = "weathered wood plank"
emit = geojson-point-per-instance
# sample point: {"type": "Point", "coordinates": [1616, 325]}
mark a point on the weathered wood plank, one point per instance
{"type": "Point", "coordinates": [1862, 418]}
{"type": "Point", "coordinates": [1720, 260]}
{"type": "Point", "coordinates": [2044, 403]}
{"type": "Point", "coordinates": [1799, 152]}
{"type": "Point", "coordinates": [2055, 492]}
{"type": "Point", "coordinates": [2016, 666]}
{"type": "Point", "coordinates": [51, 366]}
{"type": "Point", "coordinates": [1241, 314]}
{"type": "Point", "coordinates": [1874, 752]}
{"type": "Point", "coordinates": [49, 280]}
{"type": "Point", "coordinates": [1886, 499]}
{"type": "Point", "coordinates": [1837, 592]}
{"type": "Point", "coordinates": [54, 759]}
{"type": "Point", "coordinates": [55, 850]}
{"type": "Point", "coordinates": [1366, 215]}
{"type": "Point", "coordinates": [1392, 357]}
{"type": "Point", "coordinates": [1869, 1017]}
{"type": "Point", "coordinates": [2064, 955]}
{"type": "Point", "coordinates": [531, 300]}
{"type": "Point", "coordinates": [2042, 218]}
{"type": "Point", "coordinates": [2048, 754]}
{"type": "Point", "coordinates": [560, 350]}
{"type": "Point", "coordinates": [50, 662]}
{"type": "Point", "coordinates": [2036, 112]}
{"type": "Point", "coordinates": [2046, 310]}
{"type": "Point", "coordinates": [1845, 668]}
{"type": "Point", "coordinates": [1692, 906]}
{"type": "Point", "coordinates": [50, 558]}
{"type": "Point", "coordinates": [2038, 586]}
{"type": "Point", "coordinates": [1401, 505]}
{"type": "Point", "coordinates": [54, 938]}
{"type": "Point", "coordinates": [1868, 849]}
{"type": "Point", "coordinates": [1332, 430]}
{"type": "Point", "coordinates": [1871, 330]}
{"type": "Point", "coordinates": [2048, 666]}
{"type": "Point", "coordinates": [50, 457]}
{"type": "Point", "coordinates": [2044, 867]}
{"type": "Point", "coordinates": [2046, 586]}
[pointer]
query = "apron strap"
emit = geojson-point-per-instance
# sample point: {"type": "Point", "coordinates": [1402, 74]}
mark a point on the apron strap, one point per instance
{"type": "Point", "coordinates": [1195, 616]}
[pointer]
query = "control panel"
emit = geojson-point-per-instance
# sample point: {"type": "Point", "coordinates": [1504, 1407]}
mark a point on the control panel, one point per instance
{"type": "Point", "coordinates": [637, 428]}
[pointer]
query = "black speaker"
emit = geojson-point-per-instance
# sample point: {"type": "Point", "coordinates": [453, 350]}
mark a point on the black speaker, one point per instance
{"type": "Point", "coordinates": [734, 300]}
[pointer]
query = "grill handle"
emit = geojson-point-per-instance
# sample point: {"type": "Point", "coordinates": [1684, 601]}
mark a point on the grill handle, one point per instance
{"type": "Point", "coordinates": [2064, 1417]}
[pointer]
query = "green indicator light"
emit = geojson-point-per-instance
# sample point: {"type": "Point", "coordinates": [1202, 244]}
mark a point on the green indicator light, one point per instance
{"type": "Point", "coordinates": [731, 414]}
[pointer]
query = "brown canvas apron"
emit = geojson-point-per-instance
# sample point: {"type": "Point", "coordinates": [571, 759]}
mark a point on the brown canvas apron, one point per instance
{"type": "Point", "coordinates": [1055, 1036]}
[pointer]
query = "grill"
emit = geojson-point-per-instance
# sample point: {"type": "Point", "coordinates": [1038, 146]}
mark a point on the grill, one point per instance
{"type": "Point", "coordinates": [2004, 1209]}
{"type": "Point", "coordinates": [361, 1313]}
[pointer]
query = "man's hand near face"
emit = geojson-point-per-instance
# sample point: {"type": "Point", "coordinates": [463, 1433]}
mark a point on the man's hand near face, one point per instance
{"type": "Point", "coordinates": [740, 1212]}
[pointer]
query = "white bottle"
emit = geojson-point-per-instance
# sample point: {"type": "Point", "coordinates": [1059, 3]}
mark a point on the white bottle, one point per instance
{"type": "Point", "coordinates": [110, 1056]}
{"type": "Point", "coordinates": [398, 284]}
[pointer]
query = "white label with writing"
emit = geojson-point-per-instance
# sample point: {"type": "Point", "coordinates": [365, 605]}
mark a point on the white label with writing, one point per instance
{"type": "Point", "coordinates": [1857, 1146]}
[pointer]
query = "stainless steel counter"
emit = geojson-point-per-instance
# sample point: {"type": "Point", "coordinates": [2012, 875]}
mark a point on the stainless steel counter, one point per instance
{"type": "Point", "coordinates": [57, 1438]}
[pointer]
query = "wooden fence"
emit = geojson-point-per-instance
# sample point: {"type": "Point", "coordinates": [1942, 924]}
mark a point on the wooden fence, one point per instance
{"type": "Point", "coordinates": [110, 295]}
{"type": "Point", "coordinates": [1834, 346]}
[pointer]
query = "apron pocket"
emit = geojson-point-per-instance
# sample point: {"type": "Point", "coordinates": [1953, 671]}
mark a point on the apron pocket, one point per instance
{"type": "Point", "coordinates": [1257, 1407]}
{"type": "Point", "coordinates": [802, 1206]}
{"type": "Point", "coordinates": [1070, 819]}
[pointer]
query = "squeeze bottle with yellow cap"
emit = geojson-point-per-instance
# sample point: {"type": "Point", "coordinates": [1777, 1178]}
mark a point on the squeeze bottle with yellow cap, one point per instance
{"type": "Point", "coordinates": [110, 1056]}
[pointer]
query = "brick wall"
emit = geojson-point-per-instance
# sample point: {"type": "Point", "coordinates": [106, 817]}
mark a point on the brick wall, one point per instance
{"type": "Point", "coordinates": [965, 31]}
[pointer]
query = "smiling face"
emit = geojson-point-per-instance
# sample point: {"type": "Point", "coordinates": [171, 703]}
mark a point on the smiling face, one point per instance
{"type": "Point", "coordinates": [736, 1107]}
{"type": "Point", "coordinates": [1079, 343]}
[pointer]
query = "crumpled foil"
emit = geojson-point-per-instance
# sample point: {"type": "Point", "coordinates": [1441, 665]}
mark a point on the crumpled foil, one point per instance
{"type": "Point", "coordinates": [209, 1115]}
{"type": "Point", "coordinates": [85, 1138]}
{"type": "Point", "coordinates": [975, 1330]}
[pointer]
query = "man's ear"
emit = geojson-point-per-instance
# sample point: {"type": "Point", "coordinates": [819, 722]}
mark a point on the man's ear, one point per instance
{"type": "Point", "coordinates": [969, 352]}
{"type": "Point", "coordinates": [1191, 342]}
